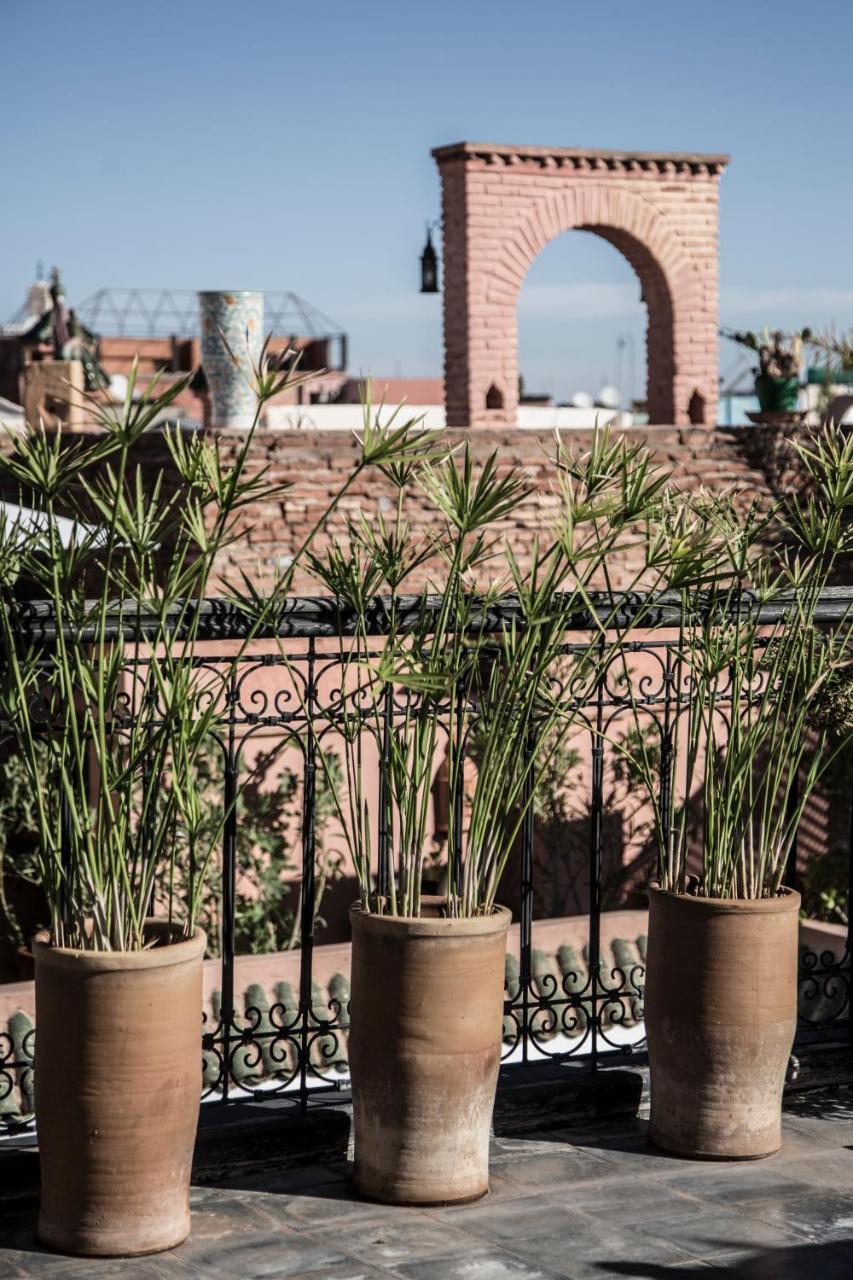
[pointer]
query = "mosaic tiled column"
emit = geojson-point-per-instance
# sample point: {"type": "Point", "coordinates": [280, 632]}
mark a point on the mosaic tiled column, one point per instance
{"type": "Point", "coordinates": [232, 334]}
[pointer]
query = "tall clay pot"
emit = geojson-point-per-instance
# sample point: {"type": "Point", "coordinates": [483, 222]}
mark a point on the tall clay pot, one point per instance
{"type": "Point", "coordinates": [117, 1089]}
{"type": "Point", "coordinates": [426, 1010]}
{"type": "Point", "coordinates": [232, 336]}
{"type": "Point", "coordinates": [721, 1012]}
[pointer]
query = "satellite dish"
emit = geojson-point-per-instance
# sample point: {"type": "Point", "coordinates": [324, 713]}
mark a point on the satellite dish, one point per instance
{"type": "Point", "coordinates": [118, 386]}
{"type": "Point", "coordinates": [581, 400]}
{"type": "Point", "coordinates": [609, 398]}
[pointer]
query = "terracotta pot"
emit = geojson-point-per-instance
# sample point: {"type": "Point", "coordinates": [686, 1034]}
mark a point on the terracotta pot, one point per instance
{"type": "Point", "coordinates": [426, 1011]}
{"type": "Point", "coordinates": [117, 1089]}
{"type": "Point", "coordinates": [721, 1012]}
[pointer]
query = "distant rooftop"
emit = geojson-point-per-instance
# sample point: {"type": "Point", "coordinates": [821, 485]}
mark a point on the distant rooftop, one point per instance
{"type": "Point", "coordinates": [160, 313]}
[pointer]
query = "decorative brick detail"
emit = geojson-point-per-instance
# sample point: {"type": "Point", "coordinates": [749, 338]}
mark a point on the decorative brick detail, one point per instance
{"type": "Point", "coordinates": [502, 205]}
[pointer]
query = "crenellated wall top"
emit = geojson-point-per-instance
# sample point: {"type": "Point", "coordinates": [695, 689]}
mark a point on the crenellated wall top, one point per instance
{"type": "Point", "coordinates": [581, 159]}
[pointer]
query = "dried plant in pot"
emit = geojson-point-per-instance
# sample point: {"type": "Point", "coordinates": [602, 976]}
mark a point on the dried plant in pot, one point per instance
{"type": "Point", "coordinates": [777, 379]}
{"type": "Point", "coordinates": [753, 669]}
{"type": "Point", "coordinates": [111, 714]}
{"type": "Point", "coordinates": [427, 994]}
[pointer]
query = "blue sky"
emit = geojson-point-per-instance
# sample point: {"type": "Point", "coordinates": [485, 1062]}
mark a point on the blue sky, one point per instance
{"type": "Point", "coordinates": [204, 143]}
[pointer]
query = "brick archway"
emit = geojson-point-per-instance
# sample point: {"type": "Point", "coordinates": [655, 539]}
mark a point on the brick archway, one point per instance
{"type": "Point", "coordinates": [502, 205]}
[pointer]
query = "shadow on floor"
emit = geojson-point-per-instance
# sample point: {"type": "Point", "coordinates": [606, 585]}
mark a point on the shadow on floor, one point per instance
{"type": "Point", "coordinates": [550, 1102]}
{"type": "Point", "coordinates": [273, 1151]}
{"type": "Point", "coordinates": [820, 1104]}
{"type": "Point", "coordinates": [789, 1262]}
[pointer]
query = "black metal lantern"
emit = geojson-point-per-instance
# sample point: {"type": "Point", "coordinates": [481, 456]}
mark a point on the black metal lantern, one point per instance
{"type": "Point", "coordinates": [429, 264]}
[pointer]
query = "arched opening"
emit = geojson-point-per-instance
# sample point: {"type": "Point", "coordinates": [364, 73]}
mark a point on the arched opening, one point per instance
{"type": "Point", "coordinates": [582, 322]}
{"type": "Point", "coordinates": [696, 409]}
{"type": "Point", "coordinates": [494, 398]}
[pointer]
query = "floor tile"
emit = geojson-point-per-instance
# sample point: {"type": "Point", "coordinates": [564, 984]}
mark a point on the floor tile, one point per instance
{"type": "Point", "coordinates": [817, 1215]}
{"type": "Point", "coordinates": [551, 1172]}
{"type": "Point", "coordinates": [484, 1264]}
{"type": "Point", "coordinates": [392, 1241]}
{"type": "Point", "coordinates": [831, 1168]}
{"type": "Point", "coordinates": [259, 1257]}
{"type": "Point", "coordinates": [594, 1246]}
{"type": "Point", "coordinates": [623, 1201]}
{"type": "Point", "coordinates": [707, 1232]}
{"type": "Point", "coordinates": [536, 1215]}
{"type": "Point", "coordinates": [345, 1271]}
{"type": "Point", "coordinates": [597, 1202]}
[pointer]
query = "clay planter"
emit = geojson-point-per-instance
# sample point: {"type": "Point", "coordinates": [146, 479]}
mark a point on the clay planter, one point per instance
{"type": "Point", "coordinates": [721, 1011]}
{"type": "Point", "coordinates": [426, 1010]}
{"type": "Point", "coordinates": [117, 1089]}
{"type": "Point", "coordinates": [777, 395]}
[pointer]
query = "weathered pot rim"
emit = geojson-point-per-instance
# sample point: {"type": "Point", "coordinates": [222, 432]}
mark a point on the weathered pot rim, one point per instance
{"type": "Point", "coordinates": [787, 900]}
{"type": "Point", "coordinates": [433, 926]}
{"type": "Point", "coordinates": [171, 953]}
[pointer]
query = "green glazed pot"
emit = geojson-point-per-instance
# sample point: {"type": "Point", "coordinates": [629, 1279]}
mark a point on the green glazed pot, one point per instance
{"type": "Point", "coordinates": [777, 395]}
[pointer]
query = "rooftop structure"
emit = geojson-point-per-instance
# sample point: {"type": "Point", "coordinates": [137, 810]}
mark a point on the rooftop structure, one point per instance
{"type": "Point", "coordinates": [159, 328]}
{"type": "Point", "coordinates": [502, 204]}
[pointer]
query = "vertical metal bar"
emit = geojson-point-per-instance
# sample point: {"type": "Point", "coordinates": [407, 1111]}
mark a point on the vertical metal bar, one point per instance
{"type": "Point", "coordinates": [306, 924]}
{"type": "Point", "coordinates": [456, 818]}
{"type": "Point", "coordinates": [595, 833]}
{"type": "Point", "coordinates": [66, 851]}
{"type": "Point", "coordinates": [849, 950]}
{"type": "Point", "coordinates": [229, 885]}
{"type": "Point", "coordinates": [525, 927]}
{"type": "Point", "coordinates": [791, 876]}
{"type": "Point", "coordinates": [666, 748]}
{"type": "Point", "coordinates": [384, 869]}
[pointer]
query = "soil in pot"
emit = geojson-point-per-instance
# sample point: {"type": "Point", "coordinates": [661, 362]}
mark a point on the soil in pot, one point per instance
{"type": "Point", "coordinates": [720, 1013]}
{"type": "Point", "coordinates": [117, 1090]}
{"type": "Point", "coordinates": [426, 1012]}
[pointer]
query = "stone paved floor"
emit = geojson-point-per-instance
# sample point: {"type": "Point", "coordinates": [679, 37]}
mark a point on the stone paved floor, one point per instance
{"type": "Point", "coordinates": [573, 1205]}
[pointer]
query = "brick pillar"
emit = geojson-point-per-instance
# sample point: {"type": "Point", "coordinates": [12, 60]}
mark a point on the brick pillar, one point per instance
{"type": "Point", "coordinates": [53, 393]}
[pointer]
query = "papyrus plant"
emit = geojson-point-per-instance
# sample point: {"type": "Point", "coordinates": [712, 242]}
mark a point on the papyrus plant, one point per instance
{"type": "Point", "coordinates": [753, 667]}
{"type": "Point", "coordinates": [113, 709]}
{"type": "Point", "coordinates": [451, 665]}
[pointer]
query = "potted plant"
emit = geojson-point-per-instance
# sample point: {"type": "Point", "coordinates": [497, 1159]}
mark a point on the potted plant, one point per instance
{"type": "Point", "coordinates": [427, 991]}
{"type": "Point", "coordinates": [721, 979]}
{"type": "Point", "coordinates": [112, 716]}
{"type": "Point", "coordinates": [777, 381]}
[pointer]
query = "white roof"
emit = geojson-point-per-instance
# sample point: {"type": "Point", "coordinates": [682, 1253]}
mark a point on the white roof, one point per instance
{"type": "Point", "coordinates": [28, 521]}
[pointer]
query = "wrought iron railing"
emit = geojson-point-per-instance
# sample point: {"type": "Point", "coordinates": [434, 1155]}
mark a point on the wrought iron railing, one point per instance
{"type": "Point", "coordinates": [580, 1000]}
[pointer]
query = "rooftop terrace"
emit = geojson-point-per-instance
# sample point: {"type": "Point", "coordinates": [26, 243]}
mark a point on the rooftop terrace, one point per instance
{"type": "Point", "coordinates": [567, 1203]}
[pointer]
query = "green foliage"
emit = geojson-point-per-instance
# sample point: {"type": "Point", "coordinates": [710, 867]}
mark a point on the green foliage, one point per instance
{"type": "Point", "coordinates": [494, 689]}
{"type": "Point", "coordinates": [268, 812]}
{"type": "Point", "coordinates": [117, 701]}
{"type": "Point", "coordinates": [18, 826]}
{"type": "Point", "coordinates": [764, 719]}
{"type": "Point", "coordinates": [825, 887]}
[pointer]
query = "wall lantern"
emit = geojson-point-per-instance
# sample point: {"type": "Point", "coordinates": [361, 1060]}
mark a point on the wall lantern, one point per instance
{"type": "Point", "coordinates": [429, 263]}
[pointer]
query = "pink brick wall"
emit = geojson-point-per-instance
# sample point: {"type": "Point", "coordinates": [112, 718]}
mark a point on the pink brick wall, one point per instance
{"type": "Point", "coordinates": [502, 205]}
{"type": "Point", "coordinates": [315, 464]}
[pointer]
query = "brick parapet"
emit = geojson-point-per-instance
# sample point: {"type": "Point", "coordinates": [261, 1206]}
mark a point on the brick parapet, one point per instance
{"type": "Point", "coordinates": [315, 463]}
